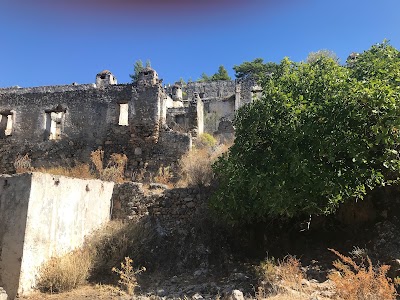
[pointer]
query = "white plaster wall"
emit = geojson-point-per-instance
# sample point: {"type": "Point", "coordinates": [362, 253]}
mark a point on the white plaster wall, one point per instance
{"type": "Point", "coordinates": [14, 198]}
{"type": "Point", "coordinates": [60, 212]}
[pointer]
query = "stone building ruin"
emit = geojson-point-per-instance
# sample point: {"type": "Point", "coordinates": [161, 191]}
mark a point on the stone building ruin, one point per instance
{"type": "Point", "coordinates": [152, 124]}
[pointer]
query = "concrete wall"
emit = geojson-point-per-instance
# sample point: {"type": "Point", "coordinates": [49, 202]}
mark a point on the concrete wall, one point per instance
{"type": "Point", "coordinates": [45, 216]}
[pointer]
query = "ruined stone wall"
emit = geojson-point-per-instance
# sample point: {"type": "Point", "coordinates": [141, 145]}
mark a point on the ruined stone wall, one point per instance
{"type": "Point", "coordinates": [44, 216]}
{"type": "Point", "coordinates": [211, 89]}
{"type": "Point", "coordinates": [171, 207]}
{"type": "Point", "coordinates": [90, 121]}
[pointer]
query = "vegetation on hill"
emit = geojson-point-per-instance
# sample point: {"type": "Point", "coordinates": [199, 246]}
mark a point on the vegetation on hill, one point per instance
{"type": "Point", "coordinates": [321, 134]}
{"type": "Point", "coordinates": [221, 74]}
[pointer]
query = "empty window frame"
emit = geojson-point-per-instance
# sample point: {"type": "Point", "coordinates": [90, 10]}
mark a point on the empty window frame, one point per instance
{"type": "Point", "coordinates": [54, 124]}
{"type": "Point", "coordinates": [6, 123]}
{"type": "Point", "coordinates": [123, 114]}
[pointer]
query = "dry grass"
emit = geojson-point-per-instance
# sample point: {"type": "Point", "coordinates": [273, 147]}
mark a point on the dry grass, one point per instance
{"type": "Point", "coordinates": [361, 281]}
{"type": "Point", "coordinates": [66, 272]}
{"type": "Point", "coordinates": [164, 176]}
{"type": "Point", "coordinates": [22, 163]}
{"type": "Point", "coordinates": [79, 171]}
{"type": "Point", "coordinates": [101, 252]}
{"type": "Point", "coordinates": [196, 168]}
{"type": "Point", "coordinates": [275, 274]}
{"type": "Point", "coordinates": [115, 167]}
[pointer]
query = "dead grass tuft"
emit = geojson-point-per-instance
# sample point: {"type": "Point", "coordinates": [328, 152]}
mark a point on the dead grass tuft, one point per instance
{"type": "Point", "coordinates": [115, 167]}
{"type": "Point", "coordinates": [275, 274]}
{"type": "Point", "coordinates": [361, 281]}
{"type": "Point", "coordinates": [22, 163]}
{"type": "Point", "coordinates": [65, 273]}
{"type": "Point", "coordinates": [79, 171]}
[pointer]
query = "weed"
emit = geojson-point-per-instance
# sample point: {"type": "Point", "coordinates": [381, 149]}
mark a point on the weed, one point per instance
{"type": "Point", "coordinates": [79, 171]}
{"type": "Point", "coordinates": [361, 281]}
{"type": "Point", "coordinates": [164, 175]}
{"type": "Point", "coordinates": [66, 272]}
{"type": "Point", "coordinates": [127, 275]}
{"type": "Point", "coordinates": [22, 163]}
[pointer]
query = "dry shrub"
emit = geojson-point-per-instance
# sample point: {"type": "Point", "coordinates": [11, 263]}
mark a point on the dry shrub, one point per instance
{"type": "Point", "coordinates": [79, 171]}
{"type": "Point", "coordinates": [276, 276]}
{"type": "Point", "coordinates": [361, 281]}
{"type": "Point", "coordinates": [164, 175]}
{"type": "Point", "coordinates": [196, 168]}
{"type": "Point", "coordinates": [22, 163]}
{"type": "Point", "coordinates": [65, 273]}
{"type": "Point", "coordinates": [127, 275]}
{"type": "Point", "coordinates": [115, 167]}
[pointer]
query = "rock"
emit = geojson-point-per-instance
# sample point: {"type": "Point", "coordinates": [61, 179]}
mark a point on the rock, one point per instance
{"type": "Point", "coordinates": [3, 294]}
{"type": "Point", "coordinates": [156, 186]}
{"type": "Point", "coordinates": [235, 295]}
{"type": "Point", "coordinates": [197, 296]}
{"type": "Point", "coordinates": [161, 293]}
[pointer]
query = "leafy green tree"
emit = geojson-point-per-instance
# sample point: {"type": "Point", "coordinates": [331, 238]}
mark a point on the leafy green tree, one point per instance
{"type": "Point", "coordinates": [256, 69]}
{"type": "Point", "coordinates": [222, 74]}
{"type": "Point", "coordinates": [137, 68]}
{"type": "Point", "coordinates": [321, 134]}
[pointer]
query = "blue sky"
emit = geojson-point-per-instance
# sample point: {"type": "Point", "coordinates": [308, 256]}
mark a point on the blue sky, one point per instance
{"type": "Point", "coordinates": [55, 42]}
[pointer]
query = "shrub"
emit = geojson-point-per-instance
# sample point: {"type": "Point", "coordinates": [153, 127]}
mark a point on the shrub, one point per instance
{"type": "Point", "coordinates": [127, 275]}
{"type": "Point", "coordinates": [276, 274]}
{"type": "Point", "coordinates": [164, 175]}
{"type": "Point", "coordinates": [65, 273]}
{"type": "Point", "coordinates": [322, 134]}
{"type": "Point", "coordinates": [361, 281]}
{"type": "Point", "coordinates": [115, 167]}
{"type": "Point", "coordinates": [205, 140]}
{"type": "Point", "coordinates": [196, 168]}
{"type": "Point", "coordinates": [22, 163]}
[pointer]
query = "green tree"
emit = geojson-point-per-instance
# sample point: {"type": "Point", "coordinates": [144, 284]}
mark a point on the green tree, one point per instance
{"type": "Point", "coordinates": [321, 134]}
{"type": "Point", "coordinates": [137, 68]}
{"type": "Point", "coordinates": [222, 74]}
{"type": "Point", "coordinates": [148, 63]}
{"type": "Point", "coordinates": [204, 77]}
{"type": "Point", "coordinates": [256, 69]}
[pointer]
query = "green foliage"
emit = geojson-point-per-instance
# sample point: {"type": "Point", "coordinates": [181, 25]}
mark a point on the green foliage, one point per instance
{"type": "Point", "coordinates": [222, 74]}
{"type": "Point", "coordinates": [204, 77]}
{"type": "Point", "coordinates": [137, 68]}
{"type": "Point", "coordinates": [256, 69]}
{"type": "Point", "coordinates": [205, 140]}
{"type": "Point", "coordinates": [321, 134]}
{"type": "Point", "coordinates": [314, 56]}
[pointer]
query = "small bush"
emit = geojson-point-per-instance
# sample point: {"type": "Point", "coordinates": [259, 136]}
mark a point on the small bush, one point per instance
{"type": "Point", "coordinates": [361, 281]}
{"type": "Point", "coordinates": [65, 273]}
{"type": "Point", "coordinates": [22, 163]}
{"type": "Point", "coordinates": [205, 140]}
{"type": "Point", "coordinates": [127, 275]}
{"type": "Point", "coordinates": [196, 168]}
{"type": "Point", "coordinates": [274, 275]}
{"type": "Point", "coordinates": [115, 167]}
{"type": "Point", "coordinates": [164, 175]}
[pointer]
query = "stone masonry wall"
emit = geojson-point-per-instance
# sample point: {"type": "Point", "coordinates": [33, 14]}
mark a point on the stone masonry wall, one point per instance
{"type": "Point", "coordinates": [172, 207]}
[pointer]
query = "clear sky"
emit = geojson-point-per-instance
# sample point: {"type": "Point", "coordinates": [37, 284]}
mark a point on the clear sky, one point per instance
{"type": "Point", "coordinates": [51, 42]}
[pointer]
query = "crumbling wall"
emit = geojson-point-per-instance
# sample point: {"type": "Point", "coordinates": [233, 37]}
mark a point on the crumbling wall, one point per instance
{"type": "Point", "coordinates": [171, 207]}
{"type": "Point", "coordinates": [44, 216]}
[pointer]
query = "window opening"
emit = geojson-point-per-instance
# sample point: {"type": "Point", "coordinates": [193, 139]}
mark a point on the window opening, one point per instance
{"type": "Point", "coordinates": [123, 114]}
